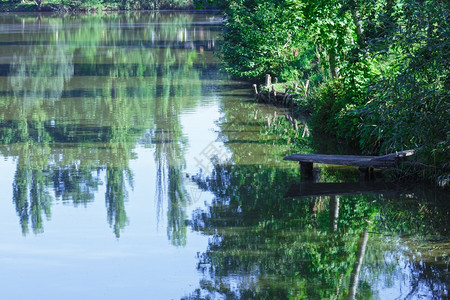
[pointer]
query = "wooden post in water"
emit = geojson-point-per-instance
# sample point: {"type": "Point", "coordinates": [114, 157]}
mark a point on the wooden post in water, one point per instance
{"type": "Point", "coordinates": [268, 84]}
{"type": "Point", "coordinates": [268, 81]}
{"type": "Point", "coordinates": [366, 174]}
{"type": "Point", "coordinates": [306, 169]}
{"type": "Point", "coordinates": [255, 87]}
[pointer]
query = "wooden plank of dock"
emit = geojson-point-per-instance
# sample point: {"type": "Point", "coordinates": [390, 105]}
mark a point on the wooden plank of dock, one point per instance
{"type": "Point", "coordinates": [344, 160]}
{"type": "Point", "coordinates": [363, 162]}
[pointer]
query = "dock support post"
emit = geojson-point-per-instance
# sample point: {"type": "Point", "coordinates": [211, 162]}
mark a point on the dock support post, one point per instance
{"type": "Point", "coordinates": [306, 169]}
{"type": "Point", "coordinates": [366, 174]}
{"type": "Point", "coordinates": [268, 81]}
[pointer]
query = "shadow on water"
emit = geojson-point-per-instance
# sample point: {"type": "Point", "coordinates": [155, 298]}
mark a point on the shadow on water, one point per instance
{"type": "Point", "coordinates": [273, 238]}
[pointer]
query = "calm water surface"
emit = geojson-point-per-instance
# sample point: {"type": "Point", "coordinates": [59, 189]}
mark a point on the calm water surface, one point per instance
{"type": "Point", "coordinates": [131, 168]}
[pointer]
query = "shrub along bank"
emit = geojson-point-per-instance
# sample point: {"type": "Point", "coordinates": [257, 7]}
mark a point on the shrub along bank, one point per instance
{"type": "Point", "coordinates": [378, 70]}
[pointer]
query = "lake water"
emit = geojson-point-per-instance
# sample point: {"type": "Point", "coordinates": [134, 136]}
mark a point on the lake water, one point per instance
{"type": "Point", "coordinates": [132, 168]}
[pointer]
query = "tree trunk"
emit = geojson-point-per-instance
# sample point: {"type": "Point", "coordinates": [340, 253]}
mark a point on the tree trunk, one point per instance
{"type": "Point", "coordinates": [333, 68]}
{"type": "Point", "coordinates": [358, 23]}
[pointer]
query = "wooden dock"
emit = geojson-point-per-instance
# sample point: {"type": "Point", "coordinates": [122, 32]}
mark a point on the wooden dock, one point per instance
{"type": "Point", "coordinates": [365, 163]}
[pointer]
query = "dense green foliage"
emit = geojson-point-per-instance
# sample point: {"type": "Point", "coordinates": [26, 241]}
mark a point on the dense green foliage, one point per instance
{"type": "Point", "coordinates": [261, 37]}
{"type": "Point", "coordinates": [378, 69]}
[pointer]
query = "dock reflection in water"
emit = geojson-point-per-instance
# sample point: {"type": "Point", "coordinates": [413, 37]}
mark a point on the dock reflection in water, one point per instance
{"type": "Point", "coordinates": [276, 238]}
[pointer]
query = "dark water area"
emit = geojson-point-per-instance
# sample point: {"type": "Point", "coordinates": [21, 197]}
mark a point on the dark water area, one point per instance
{"type": "Point", "coordinates": [132, 167]}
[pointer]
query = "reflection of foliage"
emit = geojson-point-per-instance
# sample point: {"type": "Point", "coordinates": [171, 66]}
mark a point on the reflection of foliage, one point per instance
{"type": "Point", "coordinates": [285, 247]}
{"type": "Point", "coordinates": [67, 125]}
{"type": "Point", "coordinates": [31, 198]}
{"type": "Point", "coordinates": [241, 133]}
{"type": "Point", "coordinates": [423, 213]}
{"type": "Point", "coordinates": [176, 228]}
{"type": "Point", "coordinates": [43, 77]}
{"type": "Point", "coordinates": [76, 185]}
{"type": "Point", "coordinates": [169, 141]}
{"type": "Point", "coordinates": [115, 196]}
{"type": "Point", "coordinates": [264, 246]}
{"type": "Point", "coordinates": [388, 257]}
{"type": "Point", "coordinates": [36, 177]}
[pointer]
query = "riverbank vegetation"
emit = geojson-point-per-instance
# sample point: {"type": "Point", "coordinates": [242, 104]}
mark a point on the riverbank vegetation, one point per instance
{"type": "Point", "coordinates": [98, 5]}
{"type": "Point", "coordinates": [377, 70]}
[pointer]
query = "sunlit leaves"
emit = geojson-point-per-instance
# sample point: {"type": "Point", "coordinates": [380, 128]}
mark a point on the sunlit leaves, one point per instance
{"type": "Point", "coordinates": [260, 37]}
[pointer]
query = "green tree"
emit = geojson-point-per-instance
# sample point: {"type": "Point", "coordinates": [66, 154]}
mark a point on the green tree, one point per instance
{"type": "Point", "coordinates": [262, 37]}
{"type": "Point", "coordinates": [410, 101]}
{"type": "Point", "coordinates": [384, 66]}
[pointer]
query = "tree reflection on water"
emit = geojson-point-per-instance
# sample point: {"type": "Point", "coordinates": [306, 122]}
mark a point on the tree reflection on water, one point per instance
{"type": "Point", "coordinates": [272, 236]}
{"type": "Point", "coordinates": [266, 246]}
{"type": "Point", "coordinates": [80, 96]}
